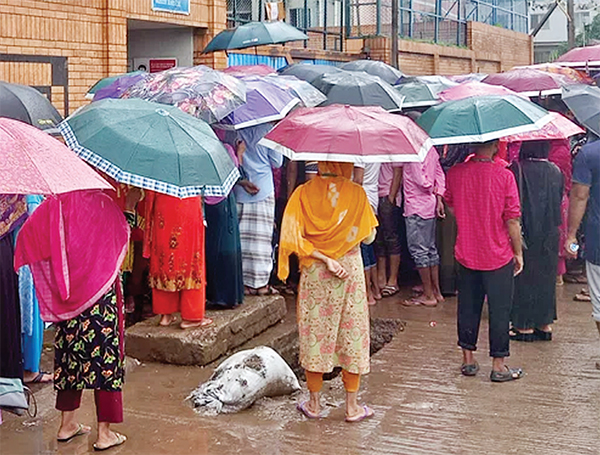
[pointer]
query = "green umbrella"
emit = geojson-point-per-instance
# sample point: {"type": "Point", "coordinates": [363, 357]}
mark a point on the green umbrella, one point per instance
{"type": "Point", "coordinates": [107, 81]}
{"type": "Point", "coordinates": [254, 34]}
{"type": "Point", "coordinates": [152, 146]}
{"type": "Point", "coordinates": [482, 119]}
{"type": "Point", "coordinates": [417, 94]}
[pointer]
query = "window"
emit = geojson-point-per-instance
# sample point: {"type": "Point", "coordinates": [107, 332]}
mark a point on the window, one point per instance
{"type": "Point", "coordinates": [536, 19]}
{"type": "Point", "coordinates": [297, 18]}
{"type": "Point", "coordinates": [582, 18]}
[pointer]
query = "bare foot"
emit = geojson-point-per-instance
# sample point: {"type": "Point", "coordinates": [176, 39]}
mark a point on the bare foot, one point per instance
{"type": "Point", "coordinates": [112, 439]}
{"type": "Point", "coordinates": [68, 432]}
{"type": "Point", "coordinates": [359, 413]}
{"type": "Point", "coordinates": [440, 298]}
{"type": "Point", "coordinates": [372, 301]}
{"type": "Point", "coordinates": [193, 324]}
{"type": "Point", "coordinates": [166, 320]}
{"type": "Point", "coordinates": [420, 301]}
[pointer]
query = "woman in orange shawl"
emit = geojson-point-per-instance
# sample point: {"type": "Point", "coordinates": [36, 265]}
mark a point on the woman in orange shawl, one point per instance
{"type": "Point", "coordinates": [324, 223]}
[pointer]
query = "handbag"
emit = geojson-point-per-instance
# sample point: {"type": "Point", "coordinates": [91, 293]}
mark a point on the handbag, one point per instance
{"type": "Point", "coordinates": [15, 397]}
{"type": "Point", "coordinates": [520, 183]}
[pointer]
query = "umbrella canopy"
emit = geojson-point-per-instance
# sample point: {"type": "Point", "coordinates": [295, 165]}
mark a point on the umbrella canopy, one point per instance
{"type": "Point", "coordinates": [24, 103]}
{"type": "Point", "coordinates": [109, 80]}
{"type": "Point", "coordinates": [308, 95]}
{"type": "Point", "coordinates": [437, 83]}
{"type": "Point", "coordinates": [358, 89]}
{"type": "Point", "coordinates": [471, 77]}
{"type": "Point", "coordinates": [151, 146]}
{"type": "Point", "coordinates": [119, 86]}
{"type": "Point", "coordinates": [417, 94]}
{"type": "Point", "coordinates": [354, 134]}
{"type": "Point", "coordinates": [530, 82]}
{"type": "Point", "coordinates": [584, 102]}
{"type": "Point", "coordinates": [375, 68]}
{"type": "Point", "coordinates": [265, 102]}
{"type": "Point", "coordinates": [33, 162]}
{"type": "Point", "coordinates": [254, 34]}
{"type": "Point", "coordinates": [482, 119]}
{"type": "Point", "coordinates": [200, 91]}
{"type": "Point", "coordinates": [581, 56]}
{"type": "Point", "coordinates": [249, 70]}
{"type": "Point", "coordinates": [469, 89]}
{"type": "Point", "coordinates": [308, 72]}
{"type": "Point", "coordinates": [559, 127]}
{"type": "Point", "coordinates": [573, 74]}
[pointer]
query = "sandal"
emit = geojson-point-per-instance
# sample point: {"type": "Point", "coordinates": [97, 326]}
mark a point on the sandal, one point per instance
{"type": "Point", "coordinates": [307, 413]}
{"type": "Point", "coordinates": [510, 374]}
{"type": "Point", "coordinates": [367, 412]}
{"type": "Point", "coordinates": [195, 324]}
{"type": "Point", "coordinates": [250, 291]}
{"type": "Point", "coordinates": [81, 431]}
{"type": "Point", "coordinates": [582, 298]}
{"type": "Point", "coordinates": [581, 279]}
{"type": "Point", "coordinates": [389, 291]}
{"type": "Point", "coordinates": [120, 440]}
{"type": "Point", "coordinates": [542, 336]}
{"type": "Point", "coordinates": [267, 290]}
{"type": "Point", "coordinates": [39, 378]}
{"type": "Point", "coordinates": [515, 335]}
{"type": "Point", "coordinates": [469, 369]}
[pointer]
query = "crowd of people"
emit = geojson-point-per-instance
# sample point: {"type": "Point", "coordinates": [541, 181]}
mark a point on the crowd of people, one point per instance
{"type": "Point", "coordinates": [335, 236]}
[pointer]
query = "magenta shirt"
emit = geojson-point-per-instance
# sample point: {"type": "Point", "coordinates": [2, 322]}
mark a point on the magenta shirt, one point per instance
{"type": "Point", "coordinates": [386, 175]}
{"type": "Point", "coordinates": [423, 182]}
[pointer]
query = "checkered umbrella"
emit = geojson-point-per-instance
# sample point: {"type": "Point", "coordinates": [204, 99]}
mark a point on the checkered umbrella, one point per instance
{"type": "Point", "coordinates": [151, 146]}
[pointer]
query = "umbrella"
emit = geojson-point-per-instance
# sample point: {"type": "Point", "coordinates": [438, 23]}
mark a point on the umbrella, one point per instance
{"type": "Point", "coordinates": [584, 102]}
{"type": "Point", "coordinates": [200, 91]}
{"type": "Point", "coordinates": [469, 89]}
{"type": "Point", "coordinates": [417, 94]}
{"type": "Point", "coordinates": [109, 80]}
{"type": "Point", "coordinates": [307, 72]}
{"type": "Point", "coordinates": [119, 86]}
{"type": "Point", "coordinates": [33, 162]}
{"type": "Point", "coordinates": [437, 83]}
{"type": "Point", "coordinates": [265, 102]}
{"type": "Point", "coordinates": [471, 77]}
{"type": "Point", "coordinates": [358, 89]}
{"type": "Point", "coordinates": [309, 95]}
{"type": "Point", "coordinates": [530, 82]}
{"type": "Point", "coordinates": [573, 74]}
{"type": "Point", "coordinates": [581, 56]}
{"type": "Point", "coordinates": [254, 34]}
{"type": "Point", "coordinates": [355, 134]}
{"type": "Point", "coordinates": [24, 103]}
{"type": "Point", "coordinates": [151, 146]}
{"type": "Point", "coordinates": [375, 68]}
{"type": "Point", "coordinates": [249, 70]}
{"type": "Point", "coordinates": [559, 127]}
{"type": "Point", "coordinates": [481, 119]}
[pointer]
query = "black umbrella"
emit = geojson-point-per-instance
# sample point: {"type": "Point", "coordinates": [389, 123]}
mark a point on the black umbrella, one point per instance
{"type": "Point", "coordinates": [584, 102]}
{"type": "Point", "coordinates": [26, 104]}
{"type": "Point", "coordinates": [358, 89]}
{"type": "Point", "coordinates": [375, 68]}
{"type": "Point", "coordinates": [307, 72]}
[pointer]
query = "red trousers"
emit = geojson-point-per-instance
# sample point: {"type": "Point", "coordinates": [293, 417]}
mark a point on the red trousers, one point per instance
{"type": "Point", "coordinates": [109, 405]}
{"type": "Point", "coordinates": [191, 303]}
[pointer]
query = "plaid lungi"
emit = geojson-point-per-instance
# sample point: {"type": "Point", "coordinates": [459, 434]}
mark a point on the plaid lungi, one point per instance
{"type": "Point", "coordinates": [256, 237]}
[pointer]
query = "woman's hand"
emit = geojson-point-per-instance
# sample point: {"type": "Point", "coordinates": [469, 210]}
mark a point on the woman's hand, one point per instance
{"type": "Point", "coordinates": [336, 269]}
{"type": "Point", "coordinates": [249, 187]}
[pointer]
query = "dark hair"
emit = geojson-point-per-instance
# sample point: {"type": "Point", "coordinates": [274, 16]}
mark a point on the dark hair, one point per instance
{"type": "Point", "coordinates": [534, 149]}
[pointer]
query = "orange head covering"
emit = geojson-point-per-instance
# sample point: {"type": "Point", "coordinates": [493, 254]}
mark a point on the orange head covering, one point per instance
{"type": "Point", "coordinates": [329, 214]}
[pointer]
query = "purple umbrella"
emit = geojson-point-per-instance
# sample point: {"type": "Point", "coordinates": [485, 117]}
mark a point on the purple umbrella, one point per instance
{"type": "Point", "coordinates": [116, 88]}
{"type": "Point", "coordinates": [265, 102]}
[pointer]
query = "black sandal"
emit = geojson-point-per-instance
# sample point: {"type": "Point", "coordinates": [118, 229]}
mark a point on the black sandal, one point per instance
{"type": "Point", "coordinates": [469, 369]}
{"type": "Point", "coordinates": [510, 374]}
{"type": "Point", "coordinates": [515, 335]}
{"type": "Point", "coordinates": [542, 336]}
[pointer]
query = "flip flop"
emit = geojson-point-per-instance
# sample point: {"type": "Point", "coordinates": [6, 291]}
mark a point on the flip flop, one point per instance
{"type": "Point", "coordinates": [267, 290]}
{"type": "Point", "coordinates": [304, 410]}
{"type": "Point", "coordinates": [120, 440]}
{"type": "Point", "coordinates": [389, 291]}
{"type": "Point", "coordinates": [81, 431]}
{"type": "Point", "coordinates": [582, 298]}
{"type": "Point", "coordinates": [367, 412]}
{"type": "Point", "coordinates": [204, 323]}
{"type": "Point", "coordinates": [39, 377]}
{"type": "Point", "coordinates": [515, 335]}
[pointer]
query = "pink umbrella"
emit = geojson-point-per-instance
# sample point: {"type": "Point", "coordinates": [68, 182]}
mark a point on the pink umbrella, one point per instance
{"type": "Point", "coordinates": [351, 134]}
{"type": "Point", "coordinates": [530, 82]}
{"type": "Point", "coordinates": [249, 70]}
{"type": "Point", "coordinates": [559, 127]}
{"type": "Point", "coordinates": [581, 56]}
{"type": "Point", "coordinates": [469, 89]}
{"type": "Point", "coordinates": [33, 162]}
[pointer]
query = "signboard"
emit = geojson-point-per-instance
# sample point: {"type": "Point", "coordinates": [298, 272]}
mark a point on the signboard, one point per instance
{"type": "Point", "coordinates": [172, 6]}
{"type": "Point", "coordinates": [160, 64]}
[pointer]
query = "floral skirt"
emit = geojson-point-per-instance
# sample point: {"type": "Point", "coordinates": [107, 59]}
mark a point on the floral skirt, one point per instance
{"type": "Point", "coordinates": [333, 317]}
{"type": "Point", "coordinates": [87, 349]}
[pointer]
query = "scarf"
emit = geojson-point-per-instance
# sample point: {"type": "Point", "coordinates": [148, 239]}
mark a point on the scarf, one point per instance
{"type": "Point", "coordinates": [13, 210]}
{"type": "Point", "coordinates": [74, 244]}
{"type": "Point", "coordinates": [329, 214]}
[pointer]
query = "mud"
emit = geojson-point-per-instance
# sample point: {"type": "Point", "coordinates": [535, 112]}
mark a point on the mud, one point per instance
{"type": "Point", "coordinates": [422, 404]}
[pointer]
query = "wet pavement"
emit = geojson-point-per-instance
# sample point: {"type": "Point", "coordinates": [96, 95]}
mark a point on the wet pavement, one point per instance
{"type": "Point", "coordinates": [422, 403]}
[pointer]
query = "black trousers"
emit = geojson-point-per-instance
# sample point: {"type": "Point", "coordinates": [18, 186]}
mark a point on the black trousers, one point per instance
{"type": "Point", "coordinates": [473, 287]}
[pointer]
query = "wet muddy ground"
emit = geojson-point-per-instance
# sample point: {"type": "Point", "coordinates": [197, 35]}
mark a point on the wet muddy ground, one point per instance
{"type": "Point", "coordinates": [422, 403]}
